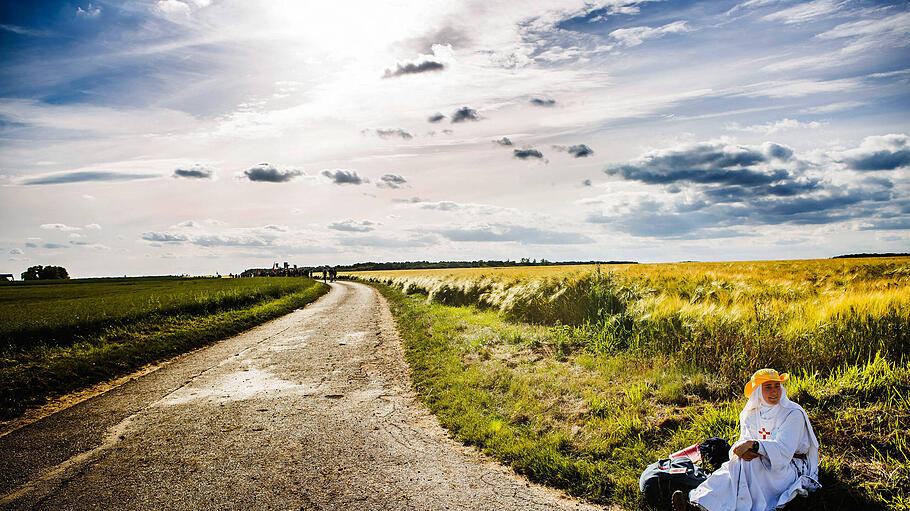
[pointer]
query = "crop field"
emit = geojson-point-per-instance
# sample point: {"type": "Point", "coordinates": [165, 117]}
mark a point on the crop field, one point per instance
{"type": "Point", "coordinates": [581, 376]}
{"type": "Point", "coordinates": [58, 336]}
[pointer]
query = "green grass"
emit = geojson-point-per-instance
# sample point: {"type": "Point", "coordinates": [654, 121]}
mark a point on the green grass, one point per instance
{"type": "Point", "coordinates": [110, 327]}
{"type": "Point", "coordinates": [587, 414]}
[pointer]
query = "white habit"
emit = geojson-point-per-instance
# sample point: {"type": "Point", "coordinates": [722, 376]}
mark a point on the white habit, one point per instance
{"type": "Point", "coordinates": [777, 477]}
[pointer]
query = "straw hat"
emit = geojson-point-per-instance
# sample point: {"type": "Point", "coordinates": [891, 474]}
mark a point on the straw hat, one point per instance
{"type": "Point", "coordinates": [762, 376]}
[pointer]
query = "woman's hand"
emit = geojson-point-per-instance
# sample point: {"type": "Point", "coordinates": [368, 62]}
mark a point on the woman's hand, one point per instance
{"type": "Point", "coordinates": [744, 450]}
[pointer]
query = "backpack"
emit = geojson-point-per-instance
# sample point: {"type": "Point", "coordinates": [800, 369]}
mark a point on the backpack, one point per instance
{"type": "Point", "coordinates": [661, 479]}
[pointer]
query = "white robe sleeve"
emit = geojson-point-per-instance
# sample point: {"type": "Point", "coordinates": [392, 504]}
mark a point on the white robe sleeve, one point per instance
{"type": "Point", "coordinates": [776, 454]}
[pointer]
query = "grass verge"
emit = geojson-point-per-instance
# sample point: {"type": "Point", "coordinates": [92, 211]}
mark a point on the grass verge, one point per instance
{"type": "Point", "coordinates": [29, 377]}
{"type": "Point", "coordinates": [589, 422]}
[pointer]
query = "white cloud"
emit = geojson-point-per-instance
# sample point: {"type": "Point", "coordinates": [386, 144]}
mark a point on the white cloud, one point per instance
{"type": "Point", "coordinates": [60, 227]}
{"type": "Point", "coordinates": [774, 126]}
{"type": "Point", "coordinates": [804, 12]}
{"type": "Point", "coordinates": [634, 36]}
{"type": "Point", "coordinates": [172, 7]}
{"type": "Point", "coordinates": [89, 12]}
{"type": "Point", "coordinates": [93, 227]}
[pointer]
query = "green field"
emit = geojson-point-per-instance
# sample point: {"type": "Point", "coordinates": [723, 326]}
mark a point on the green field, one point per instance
{"type": "Point", "coordinates": [581, 377]}
{"type": "Point", "coordinates": [59, 336]}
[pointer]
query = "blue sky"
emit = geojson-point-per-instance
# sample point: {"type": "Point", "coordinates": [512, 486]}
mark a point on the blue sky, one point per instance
{"type": "Point", "coordinates": [195, 136]}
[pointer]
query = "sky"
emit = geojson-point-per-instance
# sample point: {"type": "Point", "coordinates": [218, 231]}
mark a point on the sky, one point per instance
{"type": "Point", "coordinates": [146, 137]}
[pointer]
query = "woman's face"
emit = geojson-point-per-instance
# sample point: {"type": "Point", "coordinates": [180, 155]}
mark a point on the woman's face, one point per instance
{"type": "Point", "coordinates": [771, 392]}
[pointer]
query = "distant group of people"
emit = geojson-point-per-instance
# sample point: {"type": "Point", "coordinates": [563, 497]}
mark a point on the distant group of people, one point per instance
{"type": "Point", "coordinates": [329, 274]}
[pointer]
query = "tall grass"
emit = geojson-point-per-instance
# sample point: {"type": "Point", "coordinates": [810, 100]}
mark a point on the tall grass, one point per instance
{"type": "Point", "coordinates": [728, 318]}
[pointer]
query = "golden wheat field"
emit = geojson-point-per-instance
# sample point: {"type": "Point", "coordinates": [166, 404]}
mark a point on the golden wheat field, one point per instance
{"type": "Point", "coordinates": [815, 314]}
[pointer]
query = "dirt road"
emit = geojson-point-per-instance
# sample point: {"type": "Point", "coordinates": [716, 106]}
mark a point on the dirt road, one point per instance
{"type": "Point", "coordinates": [310, 411]}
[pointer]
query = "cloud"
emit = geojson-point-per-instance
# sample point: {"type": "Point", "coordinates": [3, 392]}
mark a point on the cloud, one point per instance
{"type": "Point", "coordinates": [543, 101]}
{"type": "Point", "coordinates": [60, 227]}
{"type": "Point", "coordinates": [504, 141]}
{"type": "Point", "coordinates": [465, 114]}
{"type": "Point", "coordinates": [269, 174]}
{"type": "Point", "coordinates": [344, 177]}
{"type": "Point", "coordinates": [467, 207]}
{"type": "Point", "coordinates": [411, 68]}
{"type": "Point", "coordinates": [709, 162]}
{"type": "Point", "coordinates": [436, 117]}
{"type": "Point", "coordinates": [887, 152]}
{"type": "Point", "coordinates": [195, 172]}
{"type": "Point", "coordinates": [514, 233]}
{"type": "Point", "coordinates": [353, 226]}
{"type": "Point", "coordinates": [804, 12]}
{"type": "Point", "coordinates": [93, 227]}
{"type": "Point", "coordinates": [164, 237]}
{"type": "Point", "coordinates": [774, 126]}
{"type": "Point", "coordinates": [731, 188]}
{"type": "Point", "coordinates": [84, 176]}
{"type": "Point", "coordinates": [524, 154]}
{"type": "Point", "coordinates": [386, 241]}
{"type": "Point", "coordinates": [391, 181]}
{"type": "Point", "coordinates": [391, 132]}
{"type": "Point", "coordinates": [578, 151]}
{"type": "Point", "coordinates": [634, 36]}
{"type": "Point", "coordinates": [89, 12]}
{"type": "Point", "coordinates": [266, 236]}
{"type": "Point", "coordinates": [16, 251]}
{"type": "Point", "coordinates": [54, 246]}
{"type": "Point", "coordinates": [586, 182]}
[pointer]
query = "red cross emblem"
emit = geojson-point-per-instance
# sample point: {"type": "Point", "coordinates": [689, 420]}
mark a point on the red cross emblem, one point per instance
{"type": "Point", "coordinates": [764, 433]}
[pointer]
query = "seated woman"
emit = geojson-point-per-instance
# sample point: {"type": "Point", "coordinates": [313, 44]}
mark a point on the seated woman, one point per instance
{"type": "Point", "coordinates": [774, 460]}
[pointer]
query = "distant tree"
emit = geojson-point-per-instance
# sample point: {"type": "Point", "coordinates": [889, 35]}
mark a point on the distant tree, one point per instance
{"type": "Point", "coordinates": [45, 273]}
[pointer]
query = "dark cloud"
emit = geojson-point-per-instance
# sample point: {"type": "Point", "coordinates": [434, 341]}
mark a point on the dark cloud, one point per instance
{"type": "Point", "coordinates": [31, 245]}
{"type": "Point", "coordinates": [411, 68]}
{"type": "Point", "coordinates": [353, 226]}
{"type": "Point", "coordinates": [269, 174]}
{"type": "Point", "coordinates": [465, 114]}
{"type": "Point", "coordinates": [887, 224]}
{"type": "Point", "coordinates": [85, 176]}
{"type": "Point", "coordinates": [54, 245]}
{"type": "Point", "coordinates": [543, 101]}
{"type": "Point", "coordinates": [707, 163]}
{"type": "Point", "coordinates": [578, 151]}
{"type": "Point", "coordinates": [514, 233]}
{"type": "Point", "coordinates": [586, 182]}
{"type": "Point", "coordinates": [436, 117]}
{"type": "Point", "coordinates": [524, 154]}
{"type": "Point", "coordinates": [164, 237]}
{"type": "Point", "coordinates": [503, 141]}
{"type": "Point", "coordinates": [391, 181]}
{"type": "Point", "coordinates": [880, 160]}
{"type": "Point", "coordinates": [393, 132]}
{"type": "Point", "coordinates": [195, 172]}
{"type": "Point", "coordinates": [344, 177]}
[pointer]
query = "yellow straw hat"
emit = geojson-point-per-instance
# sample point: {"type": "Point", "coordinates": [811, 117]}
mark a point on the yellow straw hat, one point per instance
{"type": "Point", "coordinates": [762, 376]}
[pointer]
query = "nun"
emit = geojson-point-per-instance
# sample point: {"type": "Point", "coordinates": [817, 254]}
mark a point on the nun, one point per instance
{"type": "Point", "coordinates": [774, 460]}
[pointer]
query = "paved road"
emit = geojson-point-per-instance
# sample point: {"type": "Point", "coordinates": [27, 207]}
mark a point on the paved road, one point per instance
{"type": "Point", "coordinates": [310, 411]}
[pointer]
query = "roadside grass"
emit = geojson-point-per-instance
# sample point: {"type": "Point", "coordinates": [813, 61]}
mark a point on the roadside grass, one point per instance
{"type": "Point", "coordinates": [549, 402]}
{"type": "Point", "coordinates": [33, 372]}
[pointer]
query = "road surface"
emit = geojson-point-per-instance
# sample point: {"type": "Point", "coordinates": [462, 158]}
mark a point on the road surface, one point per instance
{"type": "Point", "coordinates": [310, 411]}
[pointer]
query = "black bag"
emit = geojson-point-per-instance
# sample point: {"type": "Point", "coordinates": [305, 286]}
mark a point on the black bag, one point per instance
{"type": "Point", "coordinates": [661, 479]}
{"type": "Point", "coordinates": [715, 450]}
